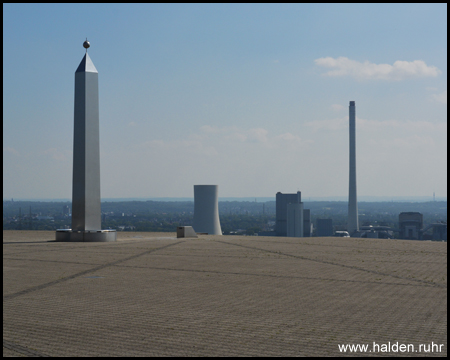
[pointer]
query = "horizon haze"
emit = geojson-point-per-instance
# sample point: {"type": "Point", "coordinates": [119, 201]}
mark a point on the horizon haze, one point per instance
{"type": "Point", "coordinates": [363, 199]}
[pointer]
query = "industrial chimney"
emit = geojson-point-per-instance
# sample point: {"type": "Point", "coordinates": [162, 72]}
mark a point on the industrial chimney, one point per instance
{"type": "Point", "coordinates": [352, 201]}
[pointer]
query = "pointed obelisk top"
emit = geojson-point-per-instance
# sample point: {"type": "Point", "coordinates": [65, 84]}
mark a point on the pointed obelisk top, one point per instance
{"type": "Point", "coordinates": [86, 65]}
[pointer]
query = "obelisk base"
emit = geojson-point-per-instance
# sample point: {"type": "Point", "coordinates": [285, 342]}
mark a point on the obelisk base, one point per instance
{"type": "Point", "coordinates": [86, 235]}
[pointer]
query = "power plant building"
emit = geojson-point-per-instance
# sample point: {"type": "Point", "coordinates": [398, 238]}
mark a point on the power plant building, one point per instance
{"type": "Point", "coordinates": [410, 224]}
{"type": "Point", "coordinates": [324, 227]}
{"type": "Point", "coordinates": [294, 223]}
{"type": "Point", "coordinates": [206, 209]}
{"type": "Point", "coordinates": [307, 224]}
{"type": "Point", "coordinates": [439, 231]}
{"type": "Point", "coordinates": [291, 218]}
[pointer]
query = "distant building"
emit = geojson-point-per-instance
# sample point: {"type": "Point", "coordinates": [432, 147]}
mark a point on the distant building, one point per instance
{"type": "Point", "coordinates": [307, 225]}
{"type": "Point", "coordinates": [339, 233]}
{"type": "Point", "coordinates": [376, 232]}
{"type": "Point", "coordinates": [66, 210]}
{"type": "Point", "coordinates": [282, 200]}
{"type": "Point", "coordinates": [410, 224]}
{"type": "Point", "coordinates": [372, 234]}
{"type": "Point", "coordinates": [324, 227]}
{"type": "Point", "coordinates": [43, 217]}
{"type": "Point", "coordinates": [290, 206]}
{"type": "Point", "coordinates": [294, 223]}
{"type": "Point", "coordinates": [439, 231]}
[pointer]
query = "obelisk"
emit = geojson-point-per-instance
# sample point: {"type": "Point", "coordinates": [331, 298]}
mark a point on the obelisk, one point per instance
{"type": "Point", "coordinates": [353, 225]}
{"type": "Point", "coordinates": [86, 207]}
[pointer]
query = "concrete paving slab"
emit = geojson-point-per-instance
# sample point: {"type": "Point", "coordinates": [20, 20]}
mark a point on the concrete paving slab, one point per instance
{"type": "Point", "coordinates": [155, 295]}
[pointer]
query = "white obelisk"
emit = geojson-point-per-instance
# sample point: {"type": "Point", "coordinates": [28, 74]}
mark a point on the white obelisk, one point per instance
{"type": "Point", "coordinates": [86, 207]}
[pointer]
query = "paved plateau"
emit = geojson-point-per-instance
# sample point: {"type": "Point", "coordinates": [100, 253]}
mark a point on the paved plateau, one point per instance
{"type": "Point", "coordinates": [151, 294]}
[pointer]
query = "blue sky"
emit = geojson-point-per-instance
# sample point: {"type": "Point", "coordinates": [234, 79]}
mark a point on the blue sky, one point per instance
{"type": "Point", "coordinates": [253, 98]}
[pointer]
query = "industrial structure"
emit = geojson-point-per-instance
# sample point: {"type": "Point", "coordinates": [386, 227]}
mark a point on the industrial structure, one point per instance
{"type": "Point", "coordinates": [291, 218]}
{"type": "Point", "coordinates": [324, 227]}
{"type": "Point", "coordinates": [439, 231]}
{"type": "Point", "coordinates": [410, 224]}
{"type": "Point", "coordinates": [206, 209]}
{"type": "Point", "coordinates": [410, 227]}
{"type": "Point", "coordinates": [294, 220]}
{"type": "Point", "coordinates": [353, 225]}
{"type": "Point", "coordinates": [376, 232]}
{"type": "Point", "coordinates": [307, 224]}
{"type": "Point", "coordinates": [186, 232]}
{"type": "Point", "coordinates": [86, 207]}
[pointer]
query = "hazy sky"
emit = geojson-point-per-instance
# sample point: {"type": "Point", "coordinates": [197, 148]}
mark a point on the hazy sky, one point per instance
{"type": "Point", "coordinates": [253, 98]}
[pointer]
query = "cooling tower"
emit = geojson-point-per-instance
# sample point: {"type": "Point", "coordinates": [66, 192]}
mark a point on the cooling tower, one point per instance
{"type": "Point", "coordinates": [352, 202]}
{"type": "Point", "coordinates": [206, 209]}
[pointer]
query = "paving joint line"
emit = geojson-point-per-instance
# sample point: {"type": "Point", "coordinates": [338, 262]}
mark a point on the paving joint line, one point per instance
{"type": "Point", "coordinates": [221, 272]}
{"type": "Point", "coordinates": [337, 264]}
{"type": "Point", "coordinates": [33, 251]}
{"type": "Point", "coordinates": [53, 261]}
{"type": "Point", "coordinates": [51, 283]}
{"type": "Point", "coordinates": [26, 242]}
{"type": "Point", "coordinates": [347, 246]}
{"type": "Point", "coordinates": [22, 349]}
{"type": "Point", "coordinates": [275, 276]}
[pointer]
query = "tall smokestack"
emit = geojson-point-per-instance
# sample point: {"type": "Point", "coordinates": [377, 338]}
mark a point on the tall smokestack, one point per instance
{"type": "Point", "coordinates": [352, 201]}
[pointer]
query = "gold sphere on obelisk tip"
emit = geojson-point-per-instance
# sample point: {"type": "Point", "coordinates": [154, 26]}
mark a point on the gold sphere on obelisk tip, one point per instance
{"type": "Point", "coordinates": [86, 44]}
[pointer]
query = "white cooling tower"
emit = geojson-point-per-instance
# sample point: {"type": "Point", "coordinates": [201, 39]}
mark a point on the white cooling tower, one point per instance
{"type": "Point", "coordinates": [206, 209]}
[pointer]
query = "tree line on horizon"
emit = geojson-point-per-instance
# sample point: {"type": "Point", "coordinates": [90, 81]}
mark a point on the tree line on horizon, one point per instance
{"type": "Point", "coordinates": [245, 217]}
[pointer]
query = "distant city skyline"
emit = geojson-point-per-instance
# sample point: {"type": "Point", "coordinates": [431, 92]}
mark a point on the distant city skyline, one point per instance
{"type": "Point", "coordinates": [253, 98]}
{"type": "Point", "coordinates": [252, 199]}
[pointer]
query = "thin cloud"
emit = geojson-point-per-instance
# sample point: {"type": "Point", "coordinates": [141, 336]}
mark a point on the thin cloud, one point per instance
{"type": "Point", "coordinates": [11, 150]}
{"type": "Point", "coordinates": [54, 154]}
{"type": "Point", "coordinates": [412, 142]}
{"type": "Point", "coordinates": [386, 125]}
{"type": "Point", "coordinates": [328, 124]}
{"type": "Point", "coordinates": [258, 135]}
{"type": "Point", "coordinates": [375, 125]}
{"type": "Point", "coordinates": [400, 70]}
{"type": "Point", "coordinates": [236, 134]}
{"type": "Point", "coordinates": [174, 147]}
{"type": "Point", "coordinates": [291, 141]}
{"type": "Point", "coordinates": [253, 136]}
{"type": "Point", "coordinates": [210, 129]}
{"type": "Point", "coordinates": [442, 97]}
{"type": "Point", "coordinates": [338, 107]}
